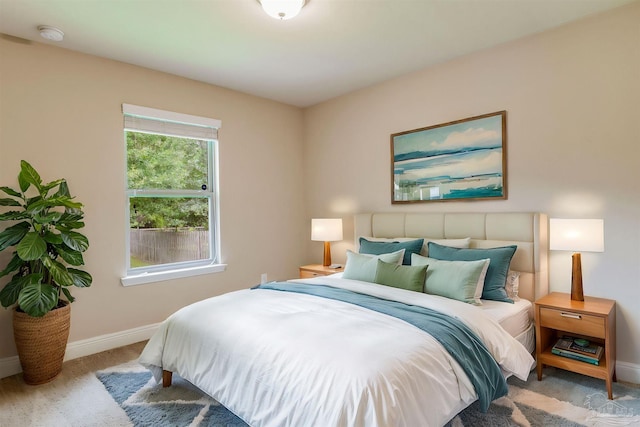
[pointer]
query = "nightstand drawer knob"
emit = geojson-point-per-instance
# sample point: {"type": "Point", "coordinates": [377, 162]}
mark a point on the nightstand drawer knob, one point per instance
{"type": "Point", "coordinates": [571, 315]}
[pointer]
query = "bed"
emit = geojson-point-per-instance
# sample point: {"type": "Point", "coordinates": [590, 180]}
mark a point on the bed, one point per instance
{"type": "Point", "coordinates": [341, 351]}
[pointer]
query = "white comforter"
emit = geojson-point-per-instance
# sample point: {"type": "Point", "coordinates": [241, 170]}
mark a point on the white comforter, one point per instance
{"type": "Point", "coordinates": [288, 359]}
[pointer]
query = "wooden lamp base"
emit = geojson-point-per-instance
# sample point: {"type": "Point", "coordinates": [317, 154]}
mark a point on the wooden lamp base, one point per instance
{"type": "Point", "coordinates": [576, 278]}
{"type": "Point", "coordinates": [327, 254]}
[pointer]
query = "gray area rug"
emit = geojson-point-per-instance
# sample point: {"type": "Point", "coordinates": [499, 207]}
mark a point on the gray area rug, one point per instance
{"type": "Point", "coordinates": [560, 399]}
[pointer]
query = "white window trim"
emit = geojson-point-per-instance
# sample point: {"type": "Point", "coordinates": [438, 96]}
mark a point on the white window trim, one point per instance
{"type": "Point", "coordinates": [161, 276]}
{"type": "Point", "coordinates": [190, 270]}
{"type": "Point", "coordinates": [170, 116]}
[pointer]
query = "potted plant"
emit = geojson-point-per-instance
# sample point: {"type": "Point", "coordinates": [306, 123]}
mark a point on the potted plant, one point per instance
{"type": "Point", "coordinates": [46, 247]}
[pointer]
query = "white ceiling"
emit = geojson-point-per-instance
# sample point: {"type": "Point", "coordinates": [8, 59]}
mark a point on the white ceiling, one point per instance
{"type": "Point", "coordinates": [331, 48]}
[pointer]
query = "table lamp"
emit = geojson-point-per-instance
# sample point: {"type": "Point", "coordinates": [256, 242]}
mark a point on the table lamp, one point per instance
{"type": "Point", "coordinates": [579, 235]}
{"type": "Point", "coordinates": [326, 230]}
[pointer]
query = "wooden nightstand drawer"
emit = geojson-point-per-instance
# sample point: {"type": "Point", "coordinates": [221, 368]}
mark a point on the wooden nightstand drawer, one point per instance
{"type": "Point", "coordinates": [317, 270]}
{"type": "Point", "coordinates": [578, 323]}
{"type": "Point", "coordinates": [306, 274]}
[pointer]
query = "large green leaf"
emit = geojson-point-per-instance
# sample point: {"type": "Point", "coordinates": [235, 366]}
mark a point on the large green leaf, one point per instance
{"type": "Point", "coordinates": [9, 202]}
{"type": "Point", "coordinates": [81, 279]}
{"type": "Point", "coordinates": [24, 184]}
{"type": "Point", "coordinates": [37, 299]}
{"type": "Point", "coordinates": [68, 295]}
{"type": "Point", "coordinates": [52, 184]}
{"type": "Point", "coordinates": [9, 294]}
{"type": "Point", "coordinates": [12, 235]}
{"type": "Point", "coordinates": [70, 204]}
{"type": "Point", "coordinates": [64, 189]}
{"type": "Point", "coordinates": [30, 175]}
{"type": "Point", "coordinates": [48, 218]}
{"type": "Point", "coordinates": [13, 265]}
{"type": "Point", "coordinates": [71, 217]}
{"type": "Point", "coordinates": [14, 216]}
{"type": "Point", "coordinates": [31, 247]}
{"type": "Point", "coordinates": [51, 202]}
{"type": "Point", "coordinates": [69, 221]}
{"type": "Point", "coordinates": [70, 256]}
{"type": "Point", "coordinates": [10, 191]}
{"type": "Point", "coordinates": [33, 199]}
{"type": "Point", "coordinates": [68, 226]}
{"type": "Point", "coordinates": [52, 238]}
{"type": "Point", "coordinates": [59, 272]}
{"type": "Point", "coordinates": [75, 240]}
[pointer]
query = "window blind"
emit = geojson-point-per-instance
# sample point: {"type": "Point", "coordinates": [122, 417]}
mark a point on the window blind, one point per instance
{"type": "Point", "coordinates": [151, 120]}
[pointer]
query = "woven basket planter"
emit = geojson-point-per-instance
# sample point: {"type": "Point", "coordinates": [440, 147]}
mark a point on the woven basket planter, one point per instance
{"type": "Point", "coordinates": [41, 343]}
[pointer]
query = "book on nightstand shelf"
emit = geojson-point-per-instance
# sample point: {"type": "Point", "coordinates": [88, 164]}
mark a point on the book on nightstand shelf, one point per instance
{"type": "Point", "coordinates": [578, 349]}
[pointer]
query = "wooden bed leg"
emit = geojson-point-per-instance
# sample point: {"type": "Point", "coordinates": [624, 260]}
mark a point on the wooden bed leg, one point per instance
{"type": "Point", "coordinates": [166, 378]}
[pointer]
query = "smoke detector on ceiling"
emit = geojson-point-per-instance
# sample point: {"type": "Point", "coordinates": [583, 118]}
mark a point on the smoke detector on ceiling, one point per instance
{"type": "Point", "coordinates": [51, 33]}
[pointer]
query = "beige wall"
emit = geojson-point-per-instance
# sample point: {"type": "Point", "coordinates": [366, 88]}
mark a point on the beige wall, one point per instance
{"type": "Point", "coordinates": [572, 97]}
{"type": "Point", "coordinates": [61, 111]}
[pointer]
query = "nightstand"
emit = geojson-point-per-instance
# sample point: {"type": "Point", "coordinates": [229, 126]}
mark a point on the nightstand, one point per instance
{"type": "Point", "coordinates": [593, 319]}
{"type": "Point", "coordinates": [315, 270]}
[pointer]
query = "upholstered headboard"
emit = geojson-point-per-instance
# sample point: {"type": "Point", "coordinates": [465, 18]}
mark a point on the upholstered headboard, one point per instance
{"type": "Point", "coordinates": [529, 231]}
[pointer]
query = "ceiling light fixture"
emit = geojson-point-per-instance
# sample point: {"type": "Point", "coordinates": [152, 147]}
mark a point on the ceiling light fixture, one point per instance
{"type": "Point", "coordinates": [51, 33]}
{"type": "Point", "coordinates": [282, 9]}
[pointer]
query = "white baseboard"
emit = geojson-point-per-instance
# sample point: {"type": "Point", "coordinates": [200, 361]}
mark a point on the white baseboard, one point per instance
{"type": "Point", "coordinates": [11, 365]}
{"type": "Point", "coordinates": [628, 372]}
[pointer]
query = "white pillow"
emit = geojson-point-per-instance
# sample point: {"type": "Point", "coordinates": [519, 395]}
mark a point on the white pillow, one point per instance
{"type": "Point", "coordinates": [364, 266]}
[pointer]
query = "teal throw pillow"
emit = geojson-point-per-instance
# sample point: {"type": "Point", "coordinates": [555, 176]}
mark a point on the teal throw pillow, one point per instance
{"type": "Point", "coordinates": [377, 248]}
{"type": "Point", "coordinates": [363, 267]}
{"type": "Point", "coordinates": [401, 276]}
{"type": "Point", "coordinates": [494, 283]}
{"type": "Point", "coordinates": [459, 280]}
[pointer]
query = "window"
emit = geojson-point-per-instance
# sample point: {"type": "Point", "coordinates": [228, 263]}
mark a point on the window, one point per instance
{"type": "Point", "coordinates": [172, 197]}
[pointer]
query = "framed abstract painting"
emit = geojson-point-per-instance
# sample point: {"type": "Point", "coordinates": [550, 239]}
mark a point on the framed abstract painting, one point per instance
{"type": "Point", "coordinates": [460, 160]}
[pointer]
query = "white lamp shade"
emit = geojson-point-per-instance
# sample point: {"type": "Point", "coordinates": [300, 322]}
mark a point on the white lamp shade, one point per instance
{"type": "Point", "coordinates": [282, 9]}
{"type": "Point", "coordinates": [326, 229]}
{"type": "Point", "coordinates": [579, 235]}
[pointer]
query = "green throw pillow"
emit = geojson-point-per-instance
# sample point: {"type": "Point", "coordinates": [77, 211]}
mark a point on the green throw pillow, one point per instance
{"type": "Point", "coordinates": [498, 267]}
{"type": "Point", "coordinates": [363, 267]}
{"type": "Point", "coordinates": [401, 276]}
{"type": "Point", "coordinates": [377, 248]}
{"type": "Point", "coordinates": [459, 280]}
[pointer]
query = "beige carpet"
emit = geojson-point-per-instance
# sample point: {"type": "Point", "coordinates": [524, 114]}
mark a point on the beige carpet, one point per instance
{"type": "Point", "coordinates": [74, 398]}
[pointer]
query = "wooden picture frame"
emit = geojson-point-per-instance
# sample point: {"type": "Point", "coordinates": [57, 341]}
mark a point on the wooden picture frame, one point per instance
{"type": "Point", "coordinates": [460, 160]}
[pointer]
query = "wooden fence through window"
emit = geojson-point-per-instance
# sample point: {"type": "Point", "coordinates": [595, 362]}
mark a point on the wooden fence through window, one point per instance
{"type": "Point", "coordinates": [168, 245]}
